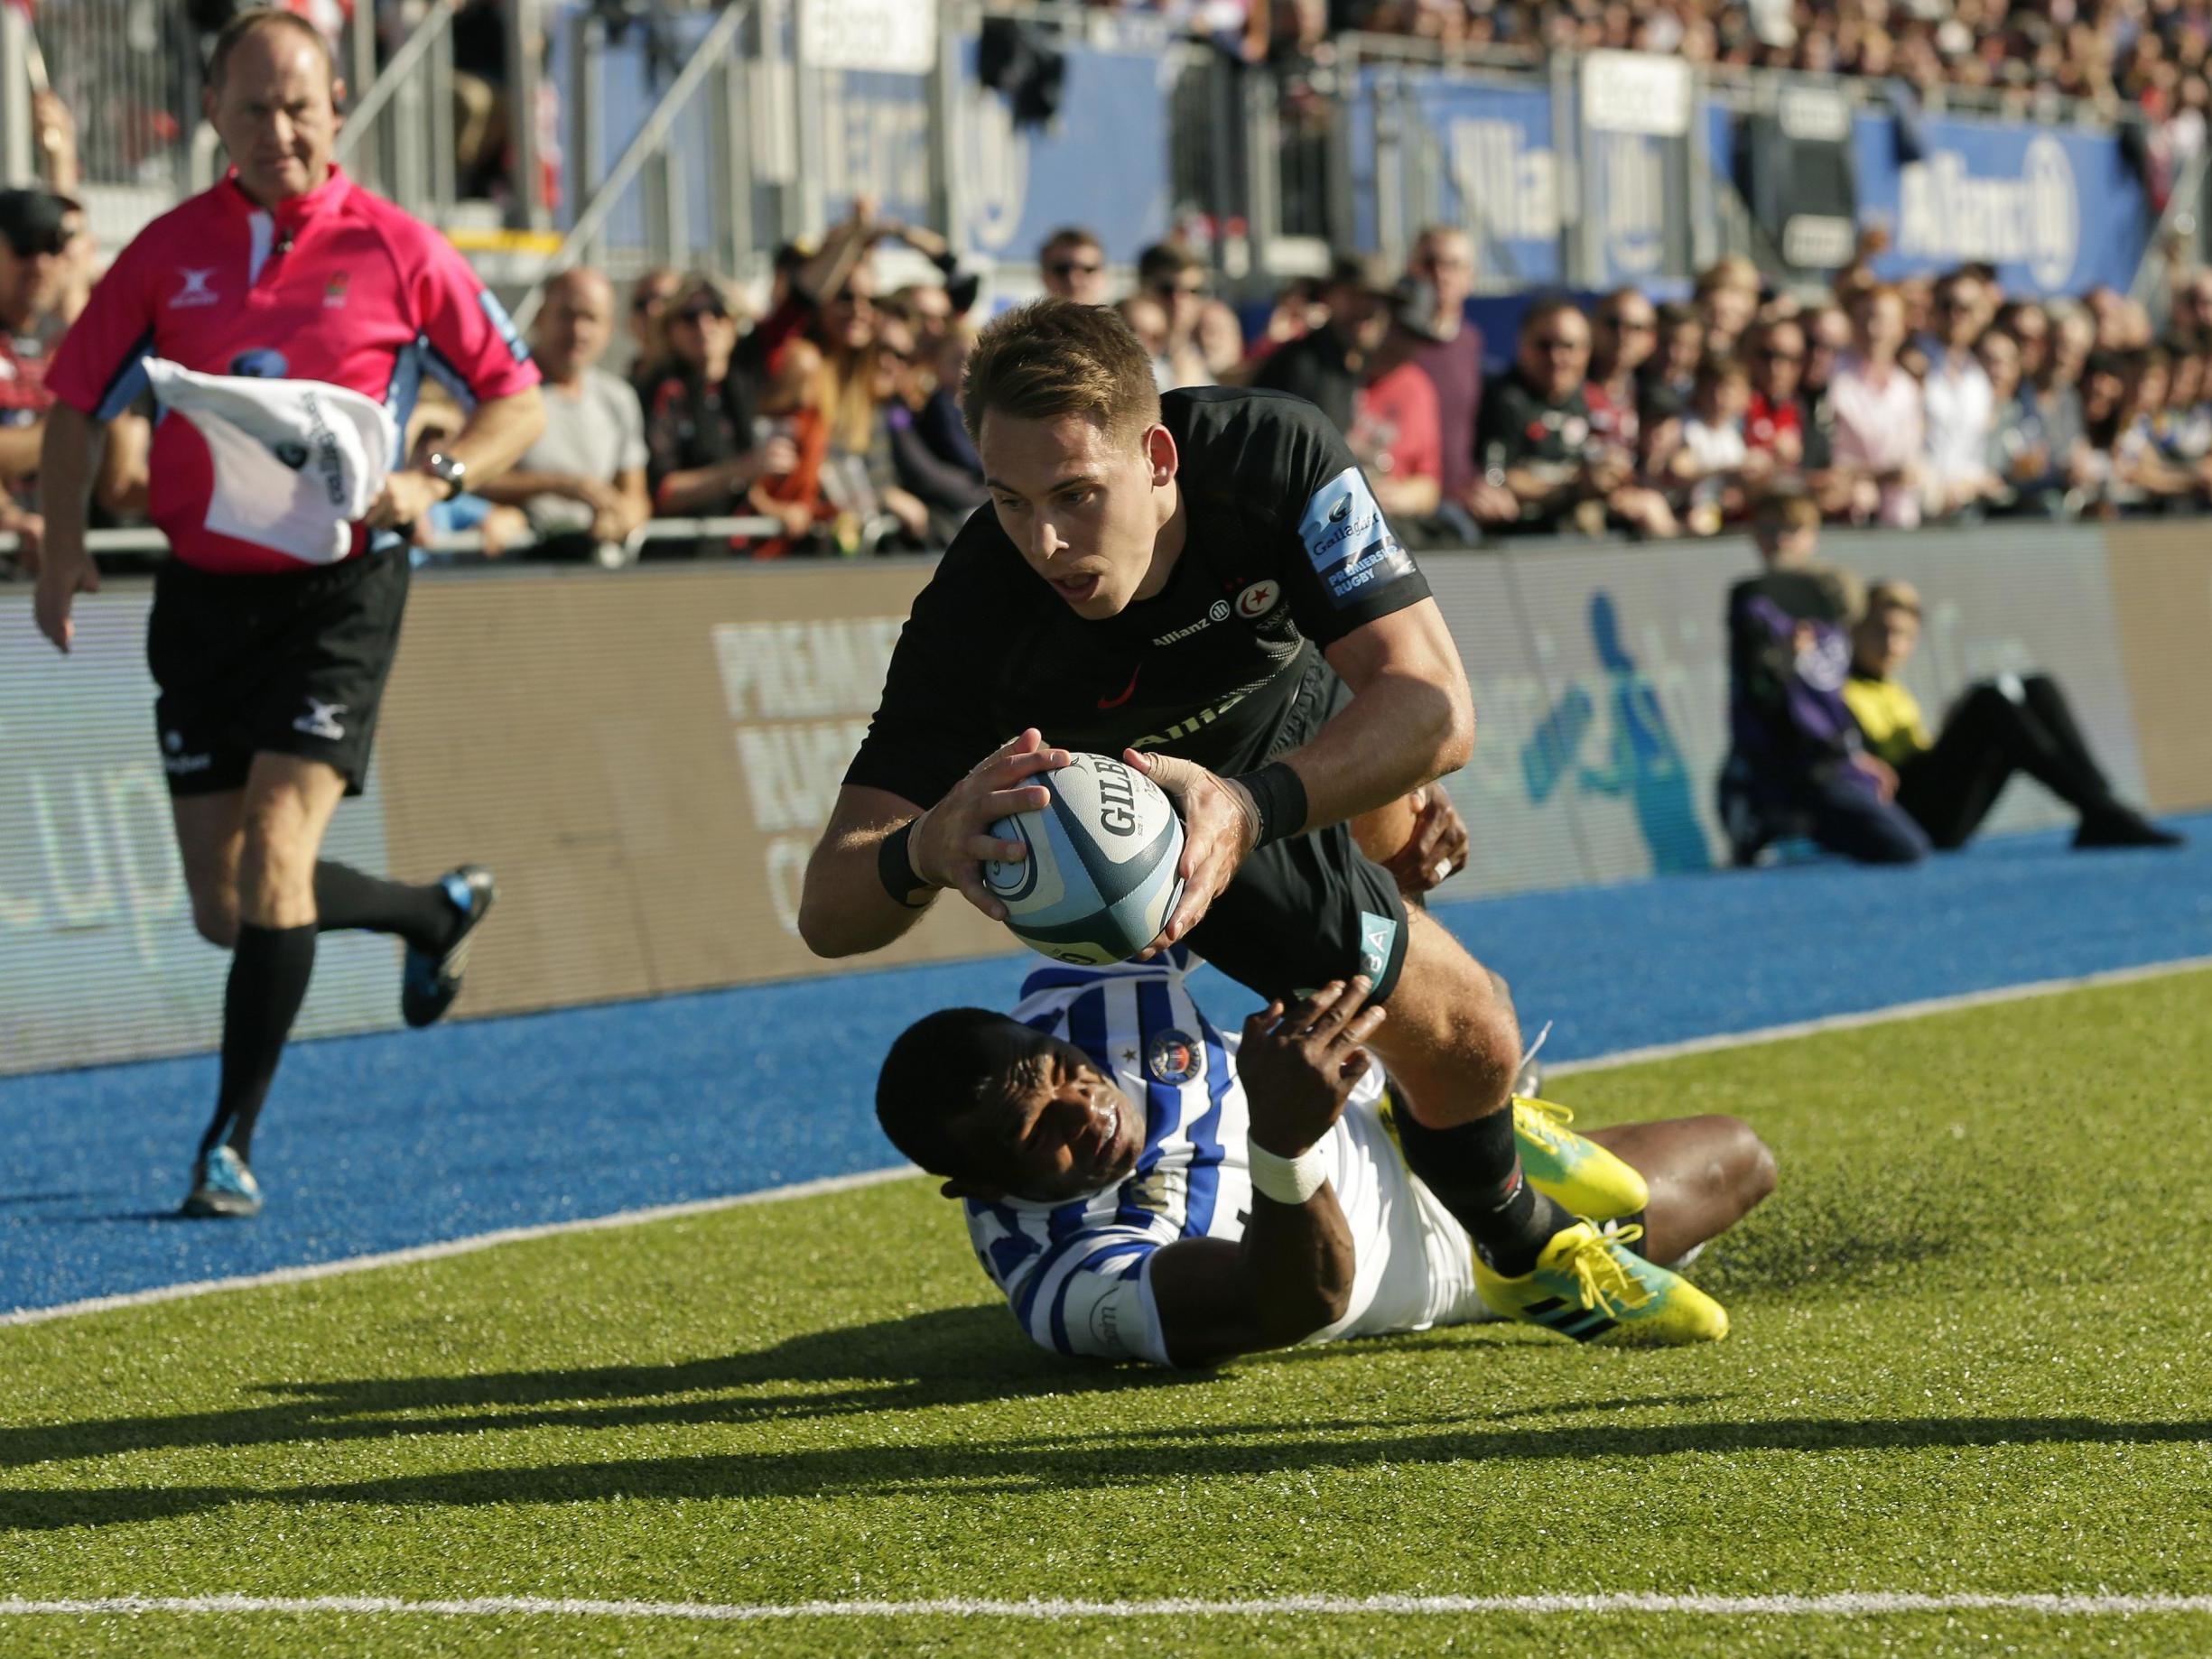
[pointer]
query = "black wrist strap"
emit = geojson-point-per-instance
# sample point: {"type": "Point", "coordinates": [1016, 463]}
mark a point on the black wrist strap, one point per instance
{"type": "Point", "coordinates": [895, 869]}
{"type": "Point", "coordinates": [1279, 793]}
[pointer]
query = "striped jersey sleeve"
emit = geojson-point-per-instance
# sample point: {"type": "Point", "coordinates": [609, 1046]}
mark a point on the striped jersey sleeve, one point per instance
{"type": "Point", "coordinates": [1077, 1275]}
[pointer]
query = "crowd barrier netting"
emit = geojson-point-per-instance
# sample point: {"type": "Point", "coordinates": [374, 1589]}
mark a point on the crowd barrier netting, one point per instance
{"type": "Point", "coordinates": [645, 757]}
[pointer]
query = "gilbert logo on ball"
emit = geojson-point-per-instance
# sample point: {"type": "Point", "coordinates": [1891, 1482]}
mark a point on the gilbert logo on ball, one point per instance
{"type": "Point", "coordinates": [1100, 879]}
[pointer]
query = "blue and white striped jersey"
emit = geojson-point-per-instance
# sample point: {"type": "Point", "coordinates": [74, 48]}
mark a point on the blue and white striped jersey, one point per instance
{"type": "Point", "coordinates": [1077, 1274]}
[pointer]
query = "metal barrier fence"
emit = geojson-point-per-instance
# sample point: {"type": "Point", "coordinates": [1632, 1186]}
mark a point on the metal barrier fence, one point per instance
{"type": "Point", "coordinates": [646, 758]}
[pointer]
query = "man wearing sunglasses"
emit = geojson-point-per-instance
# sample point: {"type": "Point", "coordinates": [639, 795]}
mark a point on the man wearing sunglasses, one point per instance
{"type": "Point", "coordinates": [1074, 266]}
{"type": "Point", "coordinates": [36, 229]}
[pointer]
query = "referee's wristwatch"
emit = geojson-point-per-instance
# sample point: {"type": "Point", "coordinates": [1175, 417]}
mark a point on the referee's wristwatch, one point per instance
{"type": "Point", "coordinates": [446, 471]}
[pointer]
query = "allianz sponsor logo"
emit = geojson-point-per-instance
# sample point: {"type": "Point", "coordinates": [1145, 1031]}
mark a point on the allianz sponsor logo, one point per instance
{"type": "Point", "coordinates": [1947, 215]}
{"type": "Point", "coordinates": [1216, 612]}
{"type": "Point", "coordinates": [1508, 186]}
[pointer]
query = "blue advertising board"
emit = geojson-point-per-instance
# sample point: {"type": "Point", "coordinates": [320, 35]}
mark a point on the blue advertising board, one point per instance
{"type": "Point", "coordinates": [2056, 209]}
{"type": "Point", "coordinates": [1489, 153]}
{"type": "Point", "coordinates": [1101, 163]}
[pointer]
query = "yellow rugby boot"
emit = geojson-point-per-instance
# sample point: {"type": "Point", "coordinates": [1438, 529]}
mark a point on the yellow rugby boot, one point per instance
{"type": "Point", "coordinates": [1590, 1287]}
{"type": "Point", "coordinates": [1580, 1176]}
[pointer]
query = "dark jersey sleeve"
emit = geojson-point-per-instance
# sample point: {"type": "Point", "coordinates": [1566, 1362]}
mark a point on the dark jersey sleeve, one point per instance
{"type": "Point", "coordinates": [1342, 565]}
{"type": "Point", "coordinates": [932, 724]}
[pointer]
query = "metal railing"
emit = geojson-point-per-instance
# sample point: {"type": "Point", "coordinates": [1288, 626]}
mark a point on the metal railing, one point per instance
{"type": "Point", "coordinates": [613, 555]}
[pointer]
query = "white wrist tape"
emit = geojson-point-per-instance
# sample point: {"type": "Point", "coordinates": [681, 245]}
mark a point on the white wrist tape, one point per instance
{"type": "Point", "coordinates": [1287, 1180]}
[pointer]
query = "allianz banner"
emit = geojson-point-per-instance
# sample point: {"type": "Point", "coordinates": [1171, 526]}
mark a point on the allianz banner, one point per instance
{"type": "Point", "coordinates": [1102, 162]}
{"type": "Point", "coordinates": [1459, 150]}
{"type": "Point", "coordinates": [2056, 210]}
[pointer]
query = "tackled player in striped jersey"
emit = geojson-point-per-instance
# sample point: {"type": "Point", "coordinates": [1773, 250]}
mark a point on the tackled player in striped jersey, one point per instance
{"type": "Point", "coordinates": [1103, 1139]}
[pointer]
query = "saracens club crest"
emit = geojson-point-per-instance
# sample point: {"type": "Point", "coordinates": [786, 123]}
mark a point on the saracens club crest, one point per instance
{"type": "Point", "coordinates": [1258, 599]}
{"type": "Point", "coordinates": [1174, 1057]}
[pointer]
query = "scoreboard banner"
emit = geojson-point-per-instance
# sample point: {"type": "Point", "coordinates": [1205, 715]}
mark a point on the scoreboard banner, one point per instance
{"type": "Point", "coordinates": [645, 757]}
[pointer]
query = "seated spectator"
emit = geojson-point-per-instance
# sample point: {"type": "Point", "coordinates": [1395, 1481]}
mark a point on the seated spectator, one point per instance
{"type": "Point", "coordinates": [649, 298]}
{"type": "Point", "coordinates": [582, 484]}
{"type": "Point", "coordinates": [949, 486]}
{"type": "Point", "coordinates": [1073, 265]}
{"type": "Point", "coordinates": [940, 422]}
{"type": "Point", "coordinates": [793, 432]}
{"type": "Point", "coordinates": [1879, 420]}
{"type": "Point", "coordinates": [700, 453]}
{"type": "Point", "coordinates": [2143, 472]}
{"type": "Point", "coordinates": [1535, 436]}
{"type": "Point", "coordinates": [1328, 366]}
{"type": "Point", "coordinates": [1774, 419]}
{"type": "Point", "coordinates": [1959, 405]}
{"type": "Point", "coordinates": [1449, 352]}
{"type": "Point", "coordinates": [870, 509]}
{"type": "Point", "coordinates": [1947, 785]}
{"type": "Point", "coordinates": [1624, 334]}
{"type": "Point", "coordinates": [1727, 301]}
{"type": "Point", "coordinates": [1148, 321]}
{"type": "Point", "coordinates": [1713, 459]}
{"type": "Point", "coordinates": [1671, 374]}
{"type": "Point", "coordinates": [1176, 277]}
{"type": "Point", "coordinates": [1395, 431]}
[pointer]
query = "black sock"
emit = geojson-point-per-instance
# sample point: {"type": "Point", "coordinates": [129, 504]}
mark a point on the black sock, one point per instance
{"type": "Point", "coordinates": [346, 897]}
{"type": "Point", "coordinates": [1474, 1171]}
{"type": "Point", "coordinates": [269, 971]}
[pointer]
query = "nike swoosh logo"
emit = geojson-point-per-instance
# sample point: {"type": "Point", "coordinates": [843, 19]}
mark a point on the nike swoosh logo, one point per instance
{"type": "Point", "coordinates": [1127, 691]}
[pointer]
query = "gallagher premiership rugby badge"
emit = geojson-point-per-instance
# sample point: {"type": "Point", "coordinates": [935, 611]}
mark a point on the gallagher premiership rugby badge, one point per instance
{"type": "Point", "coordinates": [1173, 1058]}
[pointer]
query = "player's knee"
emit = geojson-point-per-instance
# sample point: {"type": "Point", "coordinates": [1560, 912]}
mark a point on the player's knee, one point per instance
{"type": "Point", "coordinates": [216, 919]}
{"type": "Point", "coordinates": [1752, 1172]}
{"type": "Point", "coordinates": [1462, 1058]}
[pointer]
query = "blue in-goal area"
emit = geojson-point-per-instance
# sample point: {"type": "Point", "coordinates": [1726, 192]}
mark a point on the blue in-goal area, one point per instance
{"type": "Point", "coordinates": [377, 1144]}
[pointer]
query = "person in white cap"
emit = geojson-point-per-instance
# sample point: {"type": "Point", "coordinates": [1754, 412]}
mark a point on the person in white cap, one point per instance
{"type": "Point", "coordinates": [275, 619]}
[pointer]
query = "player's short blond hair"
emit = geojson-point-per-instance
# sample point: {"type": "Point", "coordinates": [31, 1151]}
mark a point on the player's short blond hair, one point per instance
{"type": "Point", "coordinates": [1055, 358]}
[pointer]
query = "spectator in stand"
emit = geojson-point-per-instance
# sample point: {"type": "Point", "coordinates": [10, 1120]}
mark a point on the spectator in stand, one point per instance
{"type": "Point", "coordinates": [1535, 436]}
{"type": "Point", "coordinates": [649, 298]}
{"type": "Point", "coordinates": [1297, 312]}
{"type": "Point", "coordinates": [1624, 334]}
{"type": "Point", "coordinates": [2140, 462]}
{"type": "Point", "coordinates": [1946, 786]}
{"type": "Point", "coordinates": [1727, 301]}
{"type": "Point", "coordinates": [582, 486]}
{"type": "Point", "coordinates": [1774, 420]}
{"type": "Point", "coordinates": [1072, 267]}
{"type": "Point", "coordinates": [436, 419]}
{"type": "Point", "coordinates": [929, 309]}
{"type": "Point", "coordinates": [1670, 375]}
{"type": "Point", "coordinates": [701, 457]}
{"type": "Point", "coordinates": [1959, 404]}
{"type": "Point", "coordinates": [2028, 325]}
{"type": "Point", "coordinates": [1148, 321]}
{"type": "Point", "coordinates": [1328, 367]}
{"type": "Point", "coordinates": [870, 509]}
{"type": "Point", "coordinates": [1176, 277]}
{"type": "Point", "coordinates": [1879, 425]}
{"type": "Point", "coordinates": [940, 422]}
{"type": "Point", "coordinates": [949, 484]}
{"type": "Point", "coordinates": [1827, 338]}
{"type": "Point", "coordinates": [1450, 351]}
{"type": "Point", "coordinates": [793, 428]}
{"type": "Point", "coordinates": [1396, 431]}
{"type": "Point", "coordinates": [1714, 460]}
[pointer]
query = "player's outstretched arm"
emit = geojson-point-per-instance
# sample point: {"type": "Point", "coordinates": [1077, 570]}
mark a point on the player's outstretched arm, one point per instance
{"type": "Point", "coordinates": [1410, 720]}
{"type": "Point", "coordinates": [1292, 1274]}
{"type": "Point", "coordinates": [882, 859]}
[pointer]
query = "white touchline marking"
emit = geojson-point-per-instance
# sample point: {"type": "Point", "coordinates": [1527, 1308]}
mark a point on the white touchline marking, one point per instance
{"type": "Point", "coordinates": [867, 1178]}
{"type": "Point", "coordinates": [1880, 1016]}
{"type": "Point", "coordinates": [453, 1247]}
{"type": "Point", "coordinates": [1871, 1604]}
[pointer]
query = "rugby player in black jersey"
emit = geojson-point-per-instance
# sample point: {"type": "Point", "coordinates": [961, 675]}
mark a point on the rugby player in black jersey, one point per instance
{"type": "Point", "coordinates": [1205, 584]}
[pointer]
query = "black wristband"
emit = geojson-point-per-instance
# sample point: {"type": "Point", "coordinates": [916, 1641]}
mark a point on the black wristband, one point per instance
{"type": "Point", "coordinates": [1279, 793]}
{"type": "Point", "coordinates": [895, 869]}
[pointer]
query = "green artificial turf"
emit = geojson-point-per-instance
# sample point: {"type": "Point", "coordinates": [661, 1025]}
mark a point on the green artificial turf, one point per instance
{"type": "Point", "coordinates": [1968, 1356]}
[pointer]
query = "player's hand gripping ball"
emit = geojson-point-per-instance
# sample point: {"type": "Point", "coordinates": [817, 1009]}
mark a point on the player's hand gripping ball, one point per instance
{"type": "Point", "coordinates": [1099, 881]}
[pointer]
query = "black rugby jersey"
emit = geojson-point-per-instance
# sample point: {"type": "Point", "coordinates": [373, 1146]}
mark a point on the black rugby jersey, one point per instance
{"type": "Point", "coordinates": [1286, 552]}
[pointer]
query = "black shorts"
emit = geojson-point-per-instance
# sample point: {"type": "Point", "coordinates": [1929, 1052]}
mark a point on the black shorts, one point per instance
{"type": "Point", "coordinates": [1312, 908]}
{"type": "Point", "coordinates": [291, 664]}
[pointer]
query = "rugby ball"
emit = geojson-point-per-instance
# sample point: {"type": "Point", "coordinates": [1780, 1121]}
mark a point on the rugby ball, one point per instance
{"type": "Point", "coordinates": [1100, 879]}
